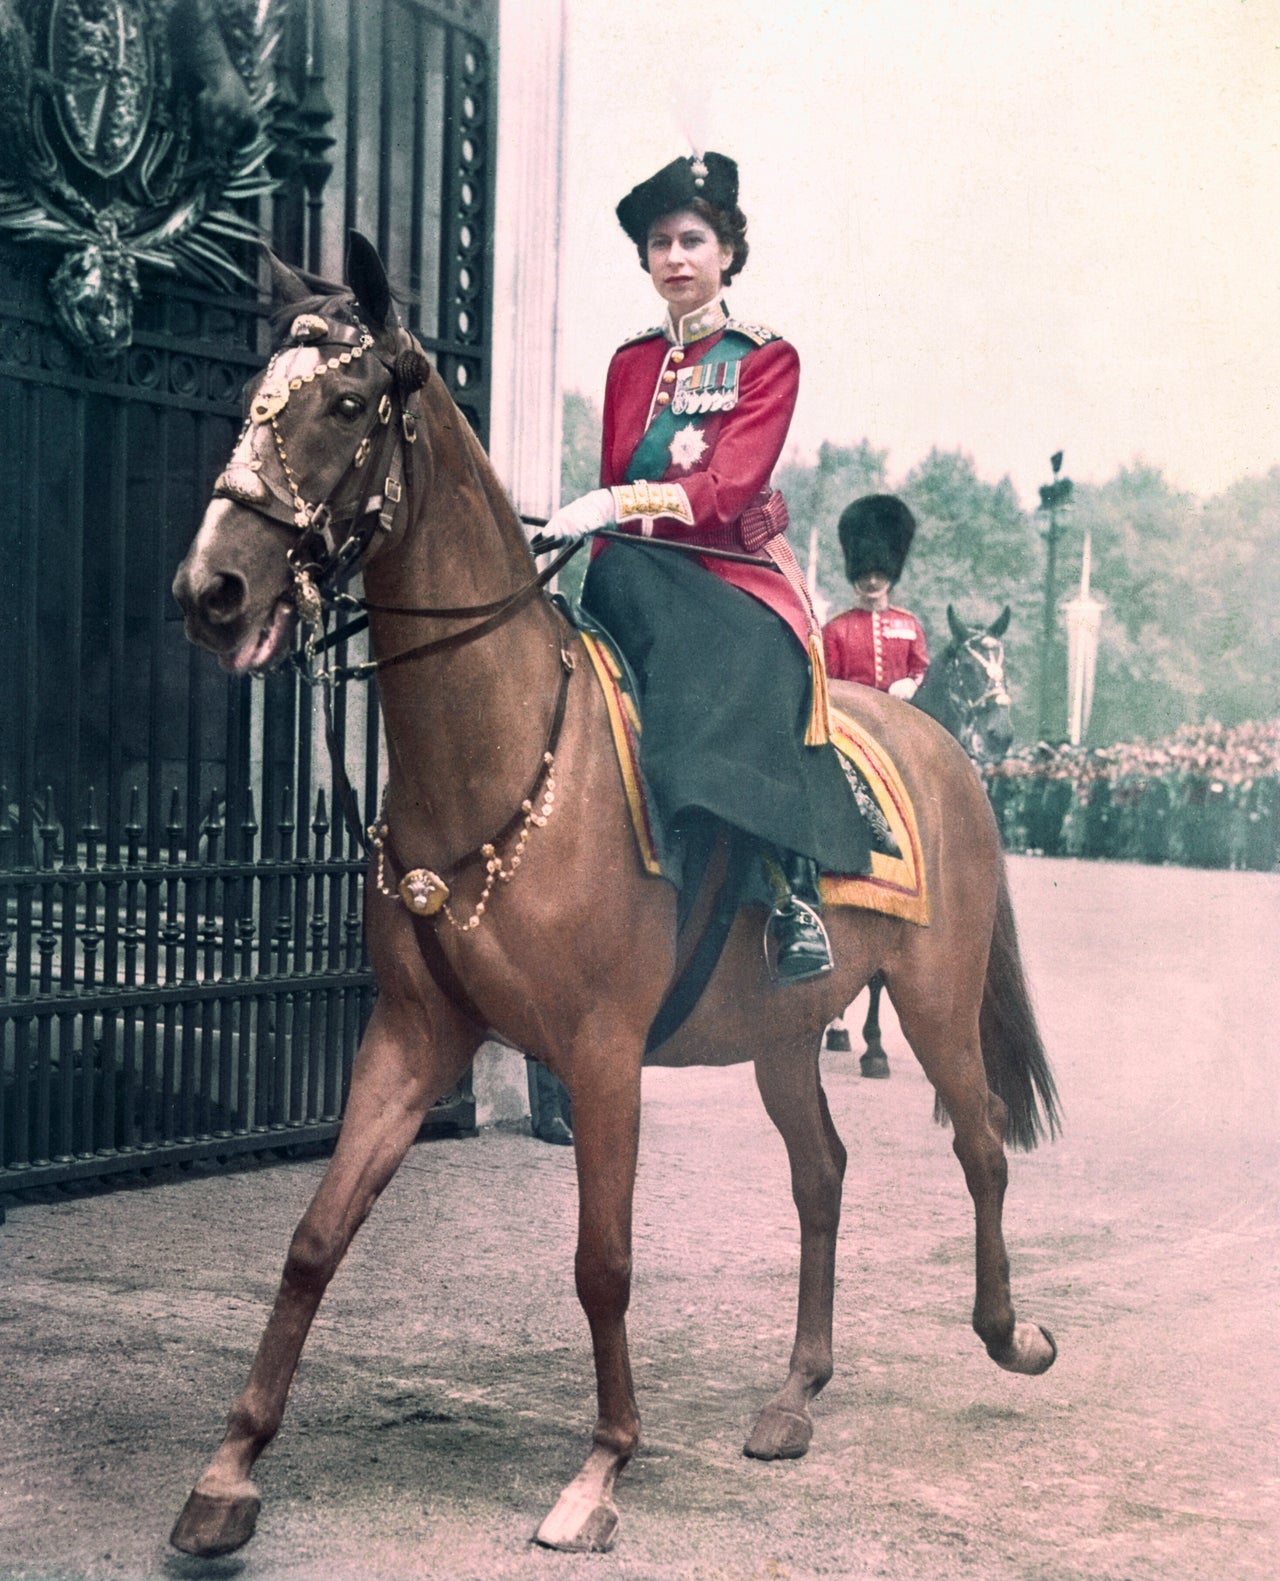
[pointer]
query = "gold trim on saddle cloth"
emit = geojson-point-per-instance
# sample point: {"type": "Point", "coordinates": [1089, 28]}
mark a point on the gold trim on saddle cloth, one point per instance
{"type": "Point", "coordinates": [896, 885]}
{"type": "Point", "coordinates": [624, 722]}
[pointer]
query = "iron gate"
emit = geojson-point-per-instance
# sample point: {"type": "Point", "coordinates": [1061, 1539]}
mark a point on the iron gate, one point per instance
{"type": "Point", "coordinates": [181, 963]}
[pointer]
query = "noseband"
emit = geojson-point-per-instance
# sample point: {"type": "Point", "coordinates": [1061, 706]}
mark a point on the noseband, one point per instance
{"type": "Point", "coordinates": [332, 538]}
{"type": "Point", "coordinates": [994, 693]}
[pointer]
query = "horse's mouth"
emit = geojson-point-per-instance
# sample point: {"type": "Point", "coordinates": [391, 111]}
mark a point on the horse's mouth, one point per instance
{"type": "Point", "coordinates": [265, 648]}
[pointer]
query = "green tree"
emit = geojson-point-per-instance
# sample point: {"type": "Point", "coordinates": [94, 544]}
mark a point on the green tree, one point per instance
{"type": "Point", "coordinates": [976, 549]}
{"type": "Point", "coordinates": [1234, 556]}
{"type": "Point", "coordinates": [579, 472]}
{"type": "Point", "coordinates": [816, 493]}
{"type": "Point", "coordinates": [1148, 677]}
{"type": "Point", "coordinates": [580, 456]}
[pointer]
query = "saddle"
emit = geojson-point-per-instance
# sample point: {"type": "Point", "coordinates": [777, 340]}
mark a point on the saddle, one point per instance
{"type": "Point", "coordinates": [896, 885]}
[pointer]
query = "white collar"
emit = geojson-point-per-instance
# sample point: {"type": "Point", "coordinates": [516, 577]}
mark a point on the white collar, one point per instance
{"type": "Point", "coordinates": [698, 324]}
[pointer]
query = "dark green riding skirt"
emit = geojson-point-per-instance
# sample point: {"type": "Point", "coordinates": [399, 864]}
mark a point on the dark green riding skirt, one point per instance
{"type": "Point", "coordinates": [725, 698]}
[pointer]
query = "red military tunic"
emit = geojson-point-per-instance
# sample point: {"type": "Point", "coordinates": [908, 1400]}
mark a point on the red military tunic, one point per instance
{"type": "Point", "coordinates": [875, 647]}
{"type": "Point", "coordinates": [721, 461]}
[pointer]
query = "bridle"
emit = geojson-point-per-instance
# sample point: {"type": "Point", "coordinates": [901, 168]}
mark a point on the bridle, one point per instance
{"type": "Point", "coordinates": [987, 652]}
{"type": "Point", "coordinates": [335, 538]}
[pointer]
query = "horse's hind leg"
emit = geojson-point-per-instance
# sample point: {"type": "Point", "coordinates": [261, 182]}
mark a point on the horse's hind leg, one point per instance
{"type": "Point", "coordinates": [949, 1049]}
{"type": "Point", "coordinates": [792, 1091]}
{"type": "Point", "coordinates": [392, 1087]}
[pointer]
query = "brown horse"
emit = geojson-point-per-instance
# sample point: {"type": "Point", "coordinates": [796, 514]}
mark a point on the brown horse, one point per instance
{"type": "Point", "coordinates": [566, 953]}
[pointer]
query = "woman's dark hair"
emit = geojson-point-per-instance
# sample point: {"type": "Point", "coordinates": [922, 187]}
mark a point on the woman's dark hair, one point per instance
{"type": "Point", "coordinates": [730, 227]}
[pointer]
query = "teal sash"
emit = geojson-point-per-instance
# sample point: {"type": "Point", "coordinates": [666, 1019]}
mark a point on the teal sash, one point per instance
{"type": "Point", "coordinates": [653, 454]}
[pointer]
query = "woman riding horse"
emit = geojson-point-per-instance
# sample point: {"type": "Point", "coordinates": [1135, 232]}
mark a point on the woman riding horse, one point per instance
{"type": "Point", "coordinates": [533, 920]}
{"type": "Point", "coordinates": [727, 655]}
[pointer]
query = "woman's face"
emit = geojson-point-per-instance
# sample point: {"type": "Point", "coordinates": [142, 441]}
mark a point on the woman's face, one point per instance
{"type": "Point", "coordinates": [686, 260]}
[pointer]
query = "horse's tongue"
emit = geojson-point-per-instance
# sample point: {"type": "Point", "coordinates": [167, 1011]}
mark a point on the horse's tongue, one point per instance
{"type": "Point", "coordinates": [263, 650]}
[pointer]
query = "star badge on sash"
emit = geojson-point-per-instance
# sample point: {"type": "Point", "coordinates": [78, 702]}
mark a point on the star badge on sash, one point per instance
{"type": "Point", "coordinates": [687, 447]}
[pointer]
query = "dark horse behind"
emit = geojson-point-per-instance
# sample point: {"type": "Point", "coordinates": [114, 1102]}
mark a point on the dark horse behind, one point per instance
{"type": "Point", "coordinates": [965, 691]}
{"type": "Point", "coordinates": [510, 900]}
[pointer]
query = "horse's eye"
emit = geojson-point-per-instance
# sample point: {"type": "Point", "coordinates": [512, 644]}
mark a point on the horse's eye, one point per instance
{"type": "Point", "coordinates": [348, 406]}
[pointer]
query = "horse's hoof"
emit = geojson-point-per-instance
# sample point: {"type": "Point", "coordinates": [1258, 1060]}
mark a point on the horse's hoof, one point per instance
{"type": "Point", "coordinates": [838, 1040]}
{"type": "Point", "coordinates": [779, 1434]}
{"type": "Point", "coordinates": [1031, 1350]}
{"type": "Point", "coordinates": [874, 1065]}
{"type": "Point", "coordinates": [213, 1524]}
{"type": "Point", "coordinates": [569, 1531]}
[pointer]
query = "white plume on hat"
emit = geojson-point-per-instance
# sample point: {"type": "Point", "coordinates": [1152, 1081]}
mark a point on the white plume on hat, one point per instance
{"type": "Point", "coordinates": [691, 110]}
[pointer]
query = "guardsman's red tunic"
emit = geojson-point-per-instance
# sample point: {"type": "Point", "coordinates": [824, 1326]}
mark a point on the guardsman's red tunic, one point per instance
{"type": "Point", "coordinates": [722, 460]}
{"type": "Point", "coordinates": [875, 647]}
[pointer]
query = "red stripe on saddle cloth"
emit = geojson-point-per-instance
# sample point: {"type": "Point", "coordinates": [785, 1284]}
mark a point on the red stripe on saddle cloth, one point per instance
{"type": "Point", "coordinates": [896, 885]}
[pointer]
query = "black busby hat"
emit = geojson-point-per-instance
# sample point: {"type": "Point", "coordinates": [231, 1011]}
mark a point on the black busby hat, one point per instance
{"type": "Point", "coordinates": [875, 534]}
{"type": "Point", "coordinates": [713, 177]}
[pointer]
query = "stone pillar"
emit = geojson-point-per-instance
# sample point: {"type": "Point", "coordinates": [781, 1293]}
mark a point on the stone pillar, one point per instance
{"type": "Point", "coordinates": [525, 418]}
{"type": "Point", "coordinates": [525, 412]}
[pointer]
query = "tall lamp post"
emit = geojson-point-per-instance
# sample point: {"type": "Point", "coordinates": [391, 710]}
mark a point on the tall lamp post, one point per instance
{"type": "Point", "coordinates": [1055, 502]}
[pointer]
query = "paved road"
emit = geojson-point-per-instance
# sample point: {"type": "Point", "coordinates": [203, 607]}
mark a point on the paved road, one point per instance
{"type": "Point", "coordinates": [446, 1389]}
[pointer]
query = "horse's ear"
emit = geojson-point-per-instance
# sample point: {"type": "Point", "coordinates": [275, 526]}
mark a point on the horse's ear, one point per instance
{"type": "Point", "coordinates": [958, 628]}
{"type": "Point", "coordinates": [368, 280]}
{"type": "Point", "coordinates": [286, 286]}
{"type": "Point", "coordinates": [1000, 624]}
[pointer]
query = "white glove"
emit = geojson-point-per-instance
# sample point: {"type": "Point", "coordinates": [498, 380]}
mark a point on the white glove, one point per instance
{"type": "Point", "coordinates": [906, 689]}
{"type": "Point", "coordinates": [584, 515]}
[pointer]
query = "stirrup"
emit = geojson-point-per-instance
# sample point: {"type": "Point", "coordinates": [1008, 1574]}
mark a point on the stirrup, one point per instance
{"type": "Point", "coordinates": [804, 950]}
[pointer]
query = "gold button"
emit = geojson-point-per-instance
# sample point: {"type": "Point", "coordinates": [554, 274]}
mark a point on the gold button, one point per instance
{"type": "Point", "coordinates": [668, 377]}
{"type": "Point", "coordinates": [663, 398]}
{"type": "Point", "coordinates": [677, 355]}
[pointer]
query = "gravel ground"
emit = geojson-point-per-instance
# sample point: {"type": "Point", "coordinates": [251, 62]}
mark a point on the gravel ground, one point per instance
{"type": "Point", "coordinates": [446, 1390]}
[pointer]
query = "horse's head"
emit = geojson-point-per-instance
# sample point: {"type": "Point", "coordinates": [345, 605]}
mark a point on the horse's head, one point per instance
{"type": "Point", "coordinates": [973, 674]}
{"type": "Point", "coordinates": [313, 482]}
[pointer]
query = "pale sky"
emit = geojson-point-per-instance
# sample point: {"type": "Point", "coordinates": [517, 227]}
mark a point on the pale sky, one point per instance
{"type": "Point", "coordinates": [1004, 226]}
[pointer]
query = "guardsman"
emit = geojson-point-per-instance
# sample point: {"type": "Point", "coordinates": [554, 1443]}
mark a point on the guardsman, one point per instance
{"type": "Point", "coordinates": [875, 642]}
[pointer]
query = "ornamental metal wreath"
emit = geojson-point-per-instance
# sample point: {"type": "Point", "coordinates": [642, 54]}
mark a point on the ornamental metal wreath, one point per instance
{"type": "Point", "coordinates": [129, 132]}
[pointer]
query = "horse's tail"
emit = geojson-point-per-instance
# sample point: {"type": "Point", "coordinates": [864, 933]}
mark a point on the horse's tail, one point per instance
{"type": "Point", "coordinates": [1012, 1052]}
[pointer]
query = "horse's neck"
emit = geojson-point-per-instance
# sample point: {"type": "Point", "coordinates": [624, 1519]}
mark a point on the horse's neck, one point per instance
{"type": "Point", "coordinates": [935, 698]}
{"type": "Point", "coordinates": [465, 728]}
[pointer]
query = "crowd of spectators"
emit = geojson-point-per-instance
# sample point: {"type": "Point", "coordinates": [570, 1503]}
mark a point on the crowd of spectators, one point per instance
{"type": "Point", "coordinates": [1206, 796]}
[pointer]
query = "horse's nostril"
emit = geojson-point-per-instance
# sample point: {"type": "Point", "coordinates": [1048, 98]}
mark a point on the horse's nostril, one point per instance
{"type": "Point", "coordinates": [224, 597]}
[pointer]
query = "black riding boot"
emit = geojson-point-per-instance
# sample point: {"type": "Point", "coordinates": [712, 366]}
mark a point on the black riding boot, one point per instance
{"type": "Point", "coordinates": [794, 924]}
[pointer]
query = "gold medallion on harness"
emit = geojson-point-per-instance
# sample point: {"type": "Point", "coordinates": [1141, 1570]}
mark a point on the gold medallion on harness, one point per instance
{"type": "Point", "coordinates": [308, 327]}
{"type": "Point", "coordinates": [270, 399]}
{"type": "Point", "coordinates": [306, 598]}
{"type": "Point", "coordinates": [423, 891]}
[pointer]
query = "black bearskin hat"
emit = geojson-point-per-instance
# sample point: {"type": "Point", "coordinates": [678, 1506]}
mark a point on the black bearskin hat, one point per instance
{"type": "Point", "coordinates": [712, 177]}
{"type": "Point", "coordinates": [875, 534]}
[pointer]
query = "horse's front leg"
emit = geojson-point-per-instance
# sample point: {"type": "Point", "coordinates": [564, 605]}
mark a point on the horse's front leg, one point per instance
{"type": "Point", "coordinates": [792, 1091]}
{"type": "Point", "coordinates": [605, 1090]}
{"type": "Point", "coordinates": [394, 1082]}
